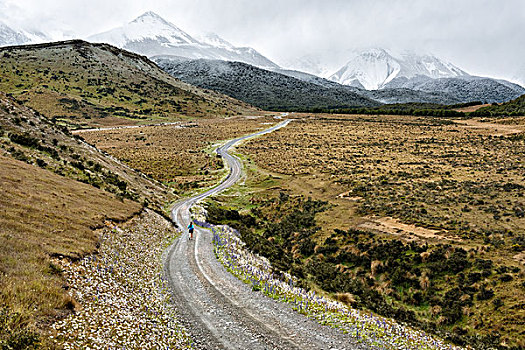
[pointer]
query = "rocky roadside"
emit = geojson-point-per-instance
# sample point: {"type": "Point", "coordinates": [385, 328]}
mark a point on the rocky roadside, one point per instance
{"type": "Point", "coordinates": [364, 327]}
{"type": "Point", "coordinates": [123, 298]}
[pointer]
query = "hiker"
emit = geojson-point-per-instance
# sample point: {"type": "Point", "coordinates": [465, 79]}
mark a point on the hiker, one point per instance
{"type": "Point", "coordinates": [190, 229]}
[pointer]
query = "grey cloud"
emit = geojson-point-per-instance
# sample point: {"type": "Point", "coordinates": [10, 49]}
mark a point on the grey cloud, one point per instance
{"type": "Point", "coordinates": [482, 36]}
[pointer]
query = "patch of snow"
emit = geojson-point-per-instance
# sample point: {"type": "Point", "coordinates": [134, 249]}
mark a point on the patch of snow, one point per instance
{"type": "Point", "coordinates": [213, 39]}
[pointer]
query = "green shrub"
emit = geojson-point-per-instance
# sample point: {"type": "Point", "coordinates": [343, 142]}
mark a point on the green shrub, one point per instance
{"type": "Point", "coordinates": [14, 333]}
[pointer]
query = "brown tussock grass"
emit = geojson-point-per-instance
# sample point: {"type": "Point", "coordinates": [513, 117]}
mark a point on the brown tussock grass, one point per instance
{"type": "Point", "coordinates": [43, 215]}
{"type": "Point", "coordinates": [172, 154]}
{"type": "Point", "coordinates": [345, 298]}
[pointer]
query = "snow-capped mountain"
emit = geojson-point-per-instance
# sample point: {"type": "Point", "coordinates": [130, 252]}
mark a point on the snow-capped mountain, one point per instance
{"type": "Point", "coordinates": [213, 39]}
{"type": "Point", "coordinates": [149, 26]}
{"type": "Point", "coordinates": [10, 36]}
{"type": "Point", "coordinates": [151, 35]}
{"type": "Point", "coordinates": [374, 68]}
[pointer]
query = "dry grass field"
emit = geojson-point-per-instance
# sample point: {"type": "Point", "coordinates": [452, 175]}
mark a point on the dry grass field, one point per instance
{"type": "Point", "coordinates": [416, 169]}
{"type": "Point", "coordinates": [427, 212]}
{"type": "Point", "coordinates": [471, 108]}
{"type": "Point", "coordinates": [43, 215]}
{"type": "Point", "coordinates": [178, 155]}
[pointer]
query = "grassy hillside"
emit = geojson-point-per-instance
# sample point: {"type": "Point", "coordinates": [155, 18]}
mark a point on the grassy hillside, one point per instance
{"type": "Point", "coordinates": [28, 136]}
{"type": "Point", "coordinates": [262, 88]}
{"type": "Point", "coordinates": [54, 190]}
{"type": "Point", "coordinates": [512, 108]}
{"type": "Point", "coordinates": [83, 84]}
{"type": "Point", "coordinates": [44, 215]}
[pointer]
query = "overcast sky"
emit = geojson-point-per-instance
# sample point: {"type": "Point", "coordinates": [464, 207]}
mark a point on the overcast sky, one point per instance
{"type": "Point", "coordinates": [483, 37]}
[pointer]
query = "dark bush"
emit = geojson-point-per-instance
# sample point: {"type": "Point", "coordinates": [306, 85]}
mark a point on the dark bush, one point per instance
{"type": "Point", "coordinates": [24, 139]}
{"type": "Point", "coordinates": [458, 261]}
{"type": "Point", "coordinates": [483, 264]}
{"type": "Point", "coordinates": [78, 165]}
{"type": "Point", "coordinates": [473, 277]}
{"type": "Point", "coordinates": [41, 163]}
{"type": "Point", "coordinates": [505, 278]}
{"type": "Point", "coordinates": [484, 293]}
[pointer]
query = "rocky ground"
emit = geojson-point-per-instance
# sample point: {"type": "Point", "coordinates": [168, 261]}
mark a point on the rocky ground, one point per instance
{"type": "Point", "coordinates": [122, 297]}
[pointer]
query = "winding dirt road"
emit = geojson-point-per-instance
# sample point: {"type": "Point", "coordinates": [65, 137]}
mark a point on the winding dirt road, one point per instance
{"type": "Point", "coordinates": [221, 312]}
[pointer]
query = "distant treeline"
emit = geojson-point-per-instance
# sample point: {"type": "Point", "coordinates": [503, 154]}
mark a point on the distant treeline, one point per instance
{"type": "Point", "coordinates": [418, 109]}
{"type": "Point", "coordinates": [512, 108]}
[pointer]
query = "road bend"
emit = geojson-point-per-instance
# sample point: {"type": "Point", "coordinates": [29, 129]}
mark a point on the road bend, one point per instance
{"type": "Point", "coordinates": [218, 310]}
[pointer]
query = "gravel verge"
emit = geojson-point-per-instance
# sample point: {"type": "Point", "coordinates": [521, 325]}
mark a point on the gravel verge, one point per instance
{"type": "Point", "coordinates": [123, 299]}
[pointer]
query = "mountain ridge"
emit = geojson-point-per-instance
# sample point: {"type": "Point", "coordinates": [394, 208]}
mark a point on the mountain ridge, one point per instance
{"type": "Point", "coordinates": [375, 68]}
{"type": "Point", "coordinates": [262, 88]}
{"type": "Point", "coordinates": [85, 85]}
{"type": "Point", "coordinates": [388, 96]}
{"type": "Point", "coordinates": [151, 35]}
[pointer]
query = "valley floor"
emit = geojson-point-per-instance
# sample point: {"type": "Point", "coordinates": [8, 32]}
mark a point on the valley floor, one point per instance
{"type": "Point", "coordinates": [409, 217]}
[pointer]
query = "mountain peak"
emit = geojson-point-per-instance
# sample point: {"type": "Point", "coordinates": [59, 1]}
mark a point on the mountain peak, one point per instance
{"type": "Point", "coordinates": [376, 67]}
{"type": "Point", "coordinates": [151, 35]}
{"type": "Point", "coordinates": [147, 27]}
{"type": "Point", "coordinates": [148, 16]}
{"type": "Point", "coordinates": [215, 40]}
{"type": "Point", "coordinates": [375, 51]}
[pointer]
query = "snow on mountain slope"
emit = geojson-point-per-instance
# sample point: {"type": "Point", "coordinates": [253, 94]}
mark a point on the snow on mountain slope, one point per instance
{"type": "Point", "coordinates": [371, 69]}
{"type": "Point", "coordinates": [213, 39]}
{"type": "Point", "coordinates": [389, 95]}
{"type": "Point", "coordinates": [10, 36]}
{"type": "Point", "coordinates": [469, 88]}
{"type": "Point", "coordinates": [375, 68]}
{"type": "Point", "coordinates": [263, 88]}
{"type": "Point", "coordinates": [151, 35]}
{"type": "Point", "coordinates": [427, 65]}
{"type": "Point", "coordinates": [148, 26]}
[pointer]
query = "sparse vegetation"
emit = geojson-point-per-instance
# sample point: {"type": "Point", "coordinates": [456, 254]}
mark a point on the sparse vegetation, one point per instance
{"type": "Point", "coordinates": [178, 155]}
{"type": "Point", "coordinates": [81, 84]}
{"type": "Point", "coordinates": [443, 264]}
{"type": "Point", "coordinates": [34, 139]}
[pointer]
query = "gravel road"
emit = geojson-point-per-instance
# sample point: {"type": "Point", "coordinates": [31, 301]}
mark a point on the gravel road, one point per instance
{"type": "Point", "coordinates": [221, 312]}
